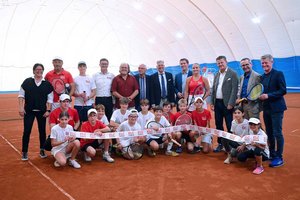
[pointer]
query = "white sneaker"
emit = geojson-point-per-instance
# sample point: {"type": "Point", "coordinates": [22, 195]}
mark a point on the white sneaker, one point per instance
{"type": "Point", "coordinates": [107, 158]}
{"type": "Point", "coordinates": [86, 157]}
{"type": "Point", "coordinates": [74, 164]}
{"type": "Point", "coordinates": [228, 159]}
{"type": "Point", "coordinates": [56, 164]}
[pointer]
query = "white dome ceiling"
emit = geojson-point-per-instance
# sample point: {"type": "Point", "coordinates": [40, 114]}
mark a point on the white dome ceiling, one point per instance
{"type": "Point", "coordinates": [141, 31]}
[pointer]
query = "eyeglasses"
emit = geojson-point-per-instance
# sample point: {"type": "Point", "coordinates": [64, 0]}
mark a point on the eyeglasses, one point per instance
{"type": "Point", "coordinates": [133, 116]}
{"type": "Point", "coordinates": [244, 65]}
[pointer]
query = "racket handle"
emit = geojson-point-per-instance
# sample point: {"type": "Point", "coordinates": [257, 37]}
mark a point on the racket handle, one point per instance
{"type": "Point", "coordinates": [241, 100]}
{"type": "Point", "coordinates": [174, 141]}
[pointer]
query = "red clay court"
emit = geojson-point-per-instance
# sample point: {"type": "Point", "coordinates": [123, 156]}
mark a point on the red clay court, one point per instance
{"type": "Point", "coordinates": [187, 177]}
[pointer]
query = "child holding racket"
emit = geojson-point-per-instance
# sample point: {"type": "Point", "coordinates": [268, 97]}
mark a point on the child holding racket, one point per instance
{"type": "Point", "coordinates": [120, 115]}
{"type": "Point", "coordinates": [184, 117]}
{"type": "Point", "coordinates": [159, 121]}
{"type": "Point", "coordinates": [240, 127]}
{"type": "Point", "coordinates": [63, 145]}
{"type": "Point", "coordinates": [201, 117]}
{"type": "Point", "coordinates": [144, 115]}
{"type": "Point", "coordinates": [89, 146]}
{"type": "Point", "coordinates": [255, 150]}
{"type": "Point", "coordinates": [129, 125]}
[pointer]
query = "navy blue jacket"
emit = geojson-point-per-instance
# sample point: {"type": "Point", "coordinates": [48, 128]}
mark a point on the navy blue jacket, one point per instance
{"type": "Point", "coordinates": [156, 90]}
{"type": "Point", "coordinates": [148, 87]}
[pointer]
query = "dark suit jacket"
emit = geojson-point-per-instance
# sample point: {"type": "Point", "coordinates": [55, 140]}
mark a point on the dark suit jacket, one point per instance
{"type": "Point", "coordinates": [148, 86]}
{"type": "Point", "coordinates": [178, 83]}
{"type": "Point", "coordinates": [229, 87]}
{"type": "Point", "coordinates": [275, 87]}
{"type": "Point", "coordinates": [156, 90]}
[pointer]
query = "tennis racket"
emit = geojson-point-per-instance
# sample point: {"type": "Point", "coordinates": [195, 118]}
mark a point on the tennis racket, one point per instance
{"type": "Point", "coordinates": [155, 125]}
{"type": "Point", "coordinates": [183, 119]}
{"type": "Point", "coordinates": [254, 93]}
{"type": "Point", "coordinates": [199, 91]}
{"type": "Point", "coordinates": [134, 151]}
{"type": "Point", "coordinates": [58, 86]}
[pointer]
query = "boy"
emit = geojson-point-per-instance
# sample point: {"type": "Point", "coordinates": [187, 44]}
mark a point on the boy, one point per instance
{"type": "Point", "coordinates": [129, 125]}
{"type": "Point", "coordinates": [189, 136]}
{"type": "Point", "coordinates": [155, 142]}
{"type": "Point", "coordinates": [144, 116]}
{"type": "Point", "coordinates": [202, 117]}
{"type": "Point", "coordinates": [101, 114]}
{"type": "Point", "coordinates": [120, 115]}
{"type": "Point", "coordinates": [88, 146]}
{"type": "Point", "coordinates": [167, 112]}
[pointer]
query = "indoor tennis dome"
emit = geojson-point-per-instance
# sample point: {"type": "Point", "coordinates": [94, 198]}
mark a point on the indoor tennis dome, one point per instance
{"type": "Point", "coordinates": [144, 31]}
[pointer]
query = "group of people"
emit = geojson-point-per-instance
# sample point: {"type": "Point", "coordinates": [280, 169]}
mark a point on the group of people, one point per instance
{"type": "Point", "coordinates": [105, 102]}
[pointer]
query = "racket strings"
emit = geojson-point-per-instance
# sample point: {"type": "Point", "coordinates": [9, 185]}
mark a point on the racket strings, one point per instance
{"type": "Point", "coordinates": [255, 92]}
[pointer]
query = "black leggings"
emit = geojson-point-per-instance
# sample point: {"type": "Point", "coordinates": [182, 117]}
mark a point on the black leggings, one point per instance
{"type": "Point", "coordinates": [243, 156]}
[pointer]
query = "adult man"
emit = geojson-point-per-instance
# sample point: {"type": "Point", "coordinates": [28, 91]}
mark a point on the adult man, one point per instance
{"type": "Point", "coordinates": [162, 87]}
{"type": "Point", "coordinates": [273, 108]}
{"type": "Point", "coordinates": [35, 98]}
{"type": "Point", "coordinates": [85, 90]}
{"type": "Point", "coordinates": [144, 85]}
{"type": "Point", "coordinates": [224, 96]}
{"type": "Point", "coordinates": [103, 80]}
{"type": "Point", "coordinates": [249, 79]}
{"type": "Point", "coordinates": [64, 106]}
{"type": "Point", "coordinates": [60, 78]}
{"type": "Point", "coordinates": [125, 85]}
{"type": "Point", "coordinates": [180, 78]}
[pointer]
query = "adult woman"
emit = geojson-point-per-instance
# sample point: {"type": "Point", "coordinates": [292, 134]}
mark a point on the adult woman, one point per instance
{"type": "Point", "coordinates": [192, 83]}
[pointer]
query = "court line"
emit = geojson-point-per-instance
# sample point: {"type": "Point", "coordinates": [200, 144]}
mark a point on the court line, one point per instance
{"type": "Point", "coordinates": [295, 130]}
{"type": "Point", "coordinates": [40, 171]}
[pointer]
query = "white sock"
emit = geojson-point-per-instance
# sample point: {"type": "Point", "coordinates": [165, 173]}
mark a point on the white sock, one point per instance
{"type": "Point", "coordinates": [170, 145]}
{"type": "Point", "coordinates": [106, 153]}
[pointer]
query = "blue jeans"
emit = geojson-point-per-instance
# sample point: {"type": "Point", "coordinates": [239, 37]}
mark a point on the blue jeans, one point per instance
{"type": "Point", "coordinates": [273, 123]}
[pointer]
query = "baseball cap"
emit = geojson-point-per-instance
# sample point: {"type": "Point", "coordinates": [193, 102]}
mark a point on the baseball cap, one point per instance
{"type": "Point", "coordinates": [92, 110]}
{"type": "Point", "coordinates": [57, 58]}
{"type": "Point", "coordinates": [63, 97]}
{"type": "Point", "coordinates": [198, 98]}
{"type": "Point", "coordinates": [254, 120]}
{"type": "Point", "coordinates": [133, 112]}
{"type": "Point", "coordinates": [81, 63]}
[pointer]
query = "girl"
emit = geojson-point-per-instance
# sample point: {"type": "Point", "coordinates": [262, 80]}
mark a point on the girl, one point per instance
{"type": "Point", "coordinates": [257, 150]}
{"type": "Point", "coordinates": [240, 127]}
{"type": "Point", "coordinates": [63, 145]}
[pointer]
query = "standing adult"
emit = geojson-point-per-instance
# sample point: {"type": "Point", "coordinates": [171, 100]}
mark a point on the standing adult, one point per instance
{"type": "Point", "coordinates": [144, 84]}
{"type": "Point", "coordinates": [180, 78]}
{"type": "Point", "coordinates": [249, 79]}
{"type": "Point", "coordinates": [196, 80]}
{"type": "Point", "coordinates": [35, 98]}
{"type": "Point", "coordinates": [162, 85]}
{"type": "Point", "coordinates": [273, 108]}
{"type": "Point", "coordinates": [59, 78]}
{"type": "Point", "coordinates": [103, 81]}
{"type": "Point", "coordinates": [125, 85]}
{"type": "Point", "coordinates": [224, 96]}
{"type": "Point", "coordinates": [85, 90]}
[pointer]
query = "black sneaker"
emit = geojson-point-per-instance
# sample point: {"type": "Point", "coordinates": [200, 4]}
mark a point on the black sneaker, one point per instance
{"type": "Point", "coordinates": [218, 149]}
{"type": "Point", "coordinates": [42, 154]}
{"type": "Point", "coordinates": [24, 156]}
{"type": "Point", "coordinates": [196, 149]}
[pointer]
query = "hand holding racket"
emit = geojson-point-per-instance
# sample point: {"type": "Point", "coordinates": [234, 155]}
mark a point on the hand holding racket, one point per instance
{"type": "Point", "coordinates": [132, 152]}
{"type": "Point", "coordinates": [254, 93]}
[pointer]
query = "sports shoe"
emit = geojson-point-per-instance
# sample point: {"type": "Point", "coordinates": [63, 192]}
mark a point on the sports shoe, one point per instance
{"type": "Point", "coordinates": [179, 150]}
{"type": "Point", "coordinates": [276, 162]}
{"type": "Point", "coordinates": [228, 159]}
{"type": "Point", "coordinates": [56, 164]}
{"type": "Point", "coordinates": [218, 149]}
{"type": "Point", "coordinates": [258, 170]}
{"type": "Point", "coordinates": [24, 156]}
{"type": "Point", "coordinates": [171, 153]}
{"type": "Point", "coordinates": [196, 149]}
{"type": "Point", "coordinates": [86, 157]}
{"type": "Point", "coordinates": [74, 164]}
{"type": "Point", "coordinates": [43, 154]}
{"type": "Point", "coordinates": [233, 152]}
{"type": "Point", "coordinates": [107, 158]}
{"type": "Point", "coordinates": [151, 153]}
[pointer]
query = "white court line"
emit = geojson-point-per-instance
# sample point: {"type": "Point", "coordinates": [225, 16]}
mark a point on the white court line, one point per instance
{"type": "Point", "coordinates": [40, 171]}
{"type": "Point", "coordinates": [295, 130]}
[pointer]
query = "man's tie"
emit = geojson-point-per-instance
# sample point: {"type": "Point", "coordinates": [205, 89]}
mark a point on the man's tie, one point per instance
{"type": "Point", "coordinates": [163, 88]}
{"type": "Point", "coordinates": [143, 96]}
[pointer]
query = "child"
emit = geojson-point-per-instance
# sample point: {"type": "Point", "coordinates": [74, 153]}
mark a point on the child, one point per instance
{"type": "Point", "coordinates": [145, 115]}
{"type": "Point", "coordinates": [120, 115]}
{"type": "Point", "coordinates": [63, 145]}
{"type": "Point", "coordinates": [167, 112]}
{"type": "Point", "coordinates": [130, 125]}
{"type": "Point", "coordinates": [101, 114]}
{"type": "Point", "coordinates": [187, 135]}
{"type": "Point", "coordinates": [259, 151]}
{"type": "Point", "coordinates": [202, 117]}
{"type": "Point", "coordinates": [240, 127]}
{"type": "Point", "coordinates": [88, 146]}
{"type": "Point", "coordinates": [154, 142]}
